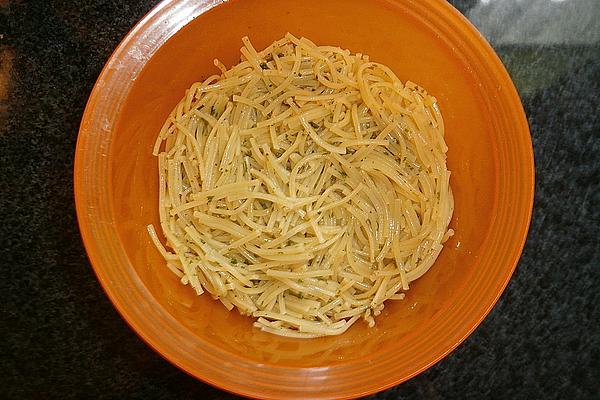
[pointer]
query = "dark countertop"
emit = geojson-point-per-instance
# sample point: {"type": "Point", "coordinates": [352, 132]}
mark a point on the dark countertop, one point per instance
{"type": "Point", "coordinates": [61, 337]}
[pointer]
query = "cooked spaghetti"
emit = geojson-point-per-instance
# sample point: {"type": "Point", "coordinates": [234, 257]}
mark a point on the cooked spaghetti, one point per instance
{"type": "Point", "coordinates": [305, 186]}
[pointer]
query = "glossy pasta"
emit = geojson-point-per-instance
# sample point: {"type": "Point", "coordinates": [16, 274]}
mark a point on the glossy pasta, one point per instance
{"type": "Point", "coordinates": [305, 186]}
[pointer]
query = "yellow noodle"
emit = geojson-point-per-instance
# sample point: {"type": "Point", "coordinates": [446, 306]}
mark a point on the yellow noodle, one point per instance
{"type": "Point", "coordinates": [304, 186]}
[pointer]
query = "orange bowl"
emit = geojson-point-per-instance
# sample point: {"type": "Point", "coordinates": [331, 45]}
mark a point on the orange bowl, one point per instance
{"type": "Point", "coordinates": [490, 157]}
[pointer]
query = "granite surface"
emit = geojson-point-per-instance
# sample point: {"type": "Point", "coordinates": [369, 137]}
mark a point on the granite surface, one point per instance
{"type": "Point", "coordinates": [61, 338]}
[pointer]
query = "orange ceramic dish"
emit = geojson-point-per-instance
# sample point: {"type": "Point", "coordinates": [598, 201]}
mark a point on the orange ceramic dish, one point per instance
{"type": "Point", "coordinates": [490, 157]}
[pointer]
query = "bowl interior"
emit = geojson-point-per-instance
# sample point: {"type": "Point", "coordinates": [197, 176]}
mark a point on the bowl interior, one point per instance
{"type": "Point", "coordinates": [489, 156]}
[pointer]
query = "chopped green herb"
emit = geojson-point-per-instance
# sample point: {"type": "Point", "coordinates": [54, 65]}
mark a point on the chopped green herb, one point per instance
{"type": "Point", "coordinates": [233, 261]}
{"type": "Point", "coordinates": [264, 65]}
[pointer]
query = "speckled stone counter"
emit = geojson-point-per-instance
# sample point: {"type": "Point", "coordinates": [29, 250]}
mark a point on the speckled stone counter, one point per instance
{"type": "Point", "coordinates": [60, 336]}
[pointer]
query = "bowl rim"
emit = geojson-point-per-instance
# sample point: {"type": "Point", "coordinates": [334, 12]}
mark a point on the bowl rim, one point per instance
{"type": "Point", "coordinates": [85, 215]}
